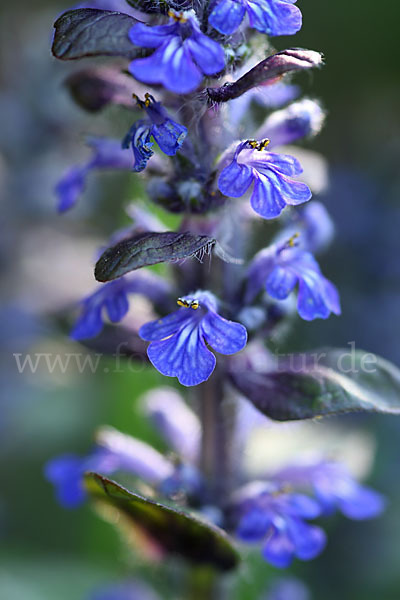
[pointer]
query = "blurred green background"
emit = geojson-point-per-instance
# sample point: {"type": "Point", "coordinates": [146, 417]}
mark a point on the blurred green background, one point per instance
{"type": "Point", "coordinates": [49, 553]}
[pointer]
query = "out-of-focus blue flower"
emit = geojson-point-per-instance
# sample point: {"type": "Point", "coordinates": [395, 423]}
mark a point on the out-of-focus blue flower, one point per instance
{"type": "Point", "coordinates": [176, 422]}
{"type": "Point", "coordinates": [111, 299]}
{"type": "Point", "coordinates": [281, 267]}
{"type": "Point", "coordinates": [311, 226]}
{"type": "Point", "coordinates": [65, 472]}
{"type": "Point", "coordinates": [124, 590]}
{"type": "Point", "coordinates": [178, 346]}
{"type": "Point", "coordinates": [271, 174]}
{"type": "Point", "coordinates": [106, 154]}
{"type": "Point", "coordinates": [274, 17]}
{"type": "Point", "coordinates": [288, 588]}
{"type": "Point", "coordinates": [114, 452]}
{"type": "Point", "coordinates": [335, 488]}
{"type": "Point", "coordinates": [277, 518]}
{"type": "Point", "coordinates": [168, 134]}
{"type": "Point", "coordinates": [183, 53]}
{"type": "Point", "coordinates": [298, 120]}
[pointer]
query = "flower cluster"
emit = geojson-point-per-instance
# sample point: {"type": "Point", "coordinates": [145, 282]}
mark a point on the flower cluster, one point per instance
{"type": "Point", "coordinates": [210, 151]}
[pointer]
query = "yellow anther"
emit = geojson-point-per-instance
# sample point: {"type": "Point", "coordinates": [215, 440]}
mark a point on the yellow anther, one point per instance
{"type": "Point", "coordinates": [258, 145]}
{"type": "Point", "coordinates": [177, 16]}
{"type": "Point", "coordinates": [291, 243]}
{"type": "Point", "coordinates": [188, 304]}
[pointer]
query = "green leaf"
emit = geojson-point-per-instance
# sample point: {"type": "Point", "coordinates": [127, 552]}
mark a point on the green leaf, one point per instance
{"type": "Point", "coordinates": [174, 531]}
{"type": "Point", "coordinates": [321, 383]}
{"type": "Point", "coordinates": [91, 32]}
{"type": "Point", "coordinates": [150, 248]}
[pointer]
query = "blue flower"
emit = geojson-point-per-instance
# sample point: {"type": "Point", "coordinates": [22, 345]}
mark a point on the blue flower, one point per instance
{"type": "Point", "coordinates": [178, 341]}
{"type": "Point", "coordinates": [270, 173]}
{"type": "Point", "coordinates": [278, 519]}
{"type": "Point", "coordinates": [183, 53]}
{"type": "Point", "coordinates": [298, 120]}
{"type": "Point", "coordinates": [168, 134]}
{"type": "Point", "coordinates": [107, 154]}
{"type": "Point", "coordinates": [112, 299]}
{"type": "Point", "coordinates": [114, 452]}
{"type": "Point", "coordinates": [274, 17]}
{"type": "Point", "coordinates": [66, 472]}
{"type": "Point", "coordinates": [335, 488]}
{"type": "Point", "coordinates": [281, 267]}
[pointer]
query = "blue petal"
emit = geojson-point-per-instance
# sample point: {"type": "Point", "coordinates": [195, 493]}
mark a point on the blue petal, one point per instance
{"type": "Point", "coordinates": [317, 297]}
{"type": "Point", "coordinates": [167, 326]}
{"type": "Point", "coordinates": [183, 355]}
{"type": "Point", "coordinates": [280, 283]}
{"type": "Point", "coordinates": [207, 53]}
{"type": "Point", "coordinates": [266, 199]}
{"type": "Point", "coordinates": [152, 37]}
{"type": "Point", "coordinates": [253, 526]}
{"type": "Point", "coordinates": [169, 136]}
{"type": "Point", "coordinates": [226, 337]}
{"type": "Point", "coordinates": [284, 163]}
{"type": "Point", "coordinates": [70, 187]}
{"type": "Point", "coordinates": [274, 17]}
{"type": "Point", "coordinates": [235, 179]}
{"type": "Point", "coordinates": [89, 324]}
{"type": "Point", "coordinates": [309, 540]}
{"type": "Point", "coordinates": [279, 549]}
{"type": "Point", "coordinates": [171, 65]}
{"type": "Point", "coordinates": [140, 138]}
{"type": "Point", "coordinates": [65, 473]}
{"type": "Point", "coordinates": [117, 305]}
{"type": "Point", "coordinates": [363, 503]}
{"type": "Point", "coordinates": [302, 506]}
{"type": "Point", "coordinates": [226, 16]}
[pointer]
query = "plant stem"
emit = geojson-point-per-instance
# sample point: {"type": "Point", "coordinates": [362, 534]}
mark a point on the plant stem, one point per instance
{"type": "Point", "coordinates": [216, 446]}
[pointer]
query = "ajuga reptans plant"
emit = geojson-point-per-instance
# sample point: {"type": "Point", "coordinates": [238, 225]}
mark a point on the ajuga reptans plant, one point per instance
{"type": "Point", "coordinates": [215, 116]}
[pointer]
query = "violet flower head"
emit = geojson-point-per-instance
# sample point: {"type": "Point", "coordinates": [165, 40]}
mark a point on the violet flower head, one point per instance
{"type": "Point", "coordinates": [279, 520]}
{"type": "Point", "coordinates": [178, 341]}
{"type": "Point", "coordinates": [168, 134]}
{"type": "Point", "coordinates": [283, 266]}
{"type": "Point", "coordinates": [106, 154]}
{"type": "Point", "coordinates": [271, 174]}
{"type": "Point", "coordinates": [183, 53]}
{"type": "Point", "coordinates": [111, 299]}
{"type": "Point", "coordinates": [335, 488]}
{"type": "Point", "coordinates": [274, 17]}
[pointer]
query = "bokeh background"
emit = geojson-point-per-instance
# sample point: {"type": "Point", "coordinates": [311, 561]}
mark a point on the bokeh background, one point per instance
{"type": "Point", "coordinates": [46, 265]}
